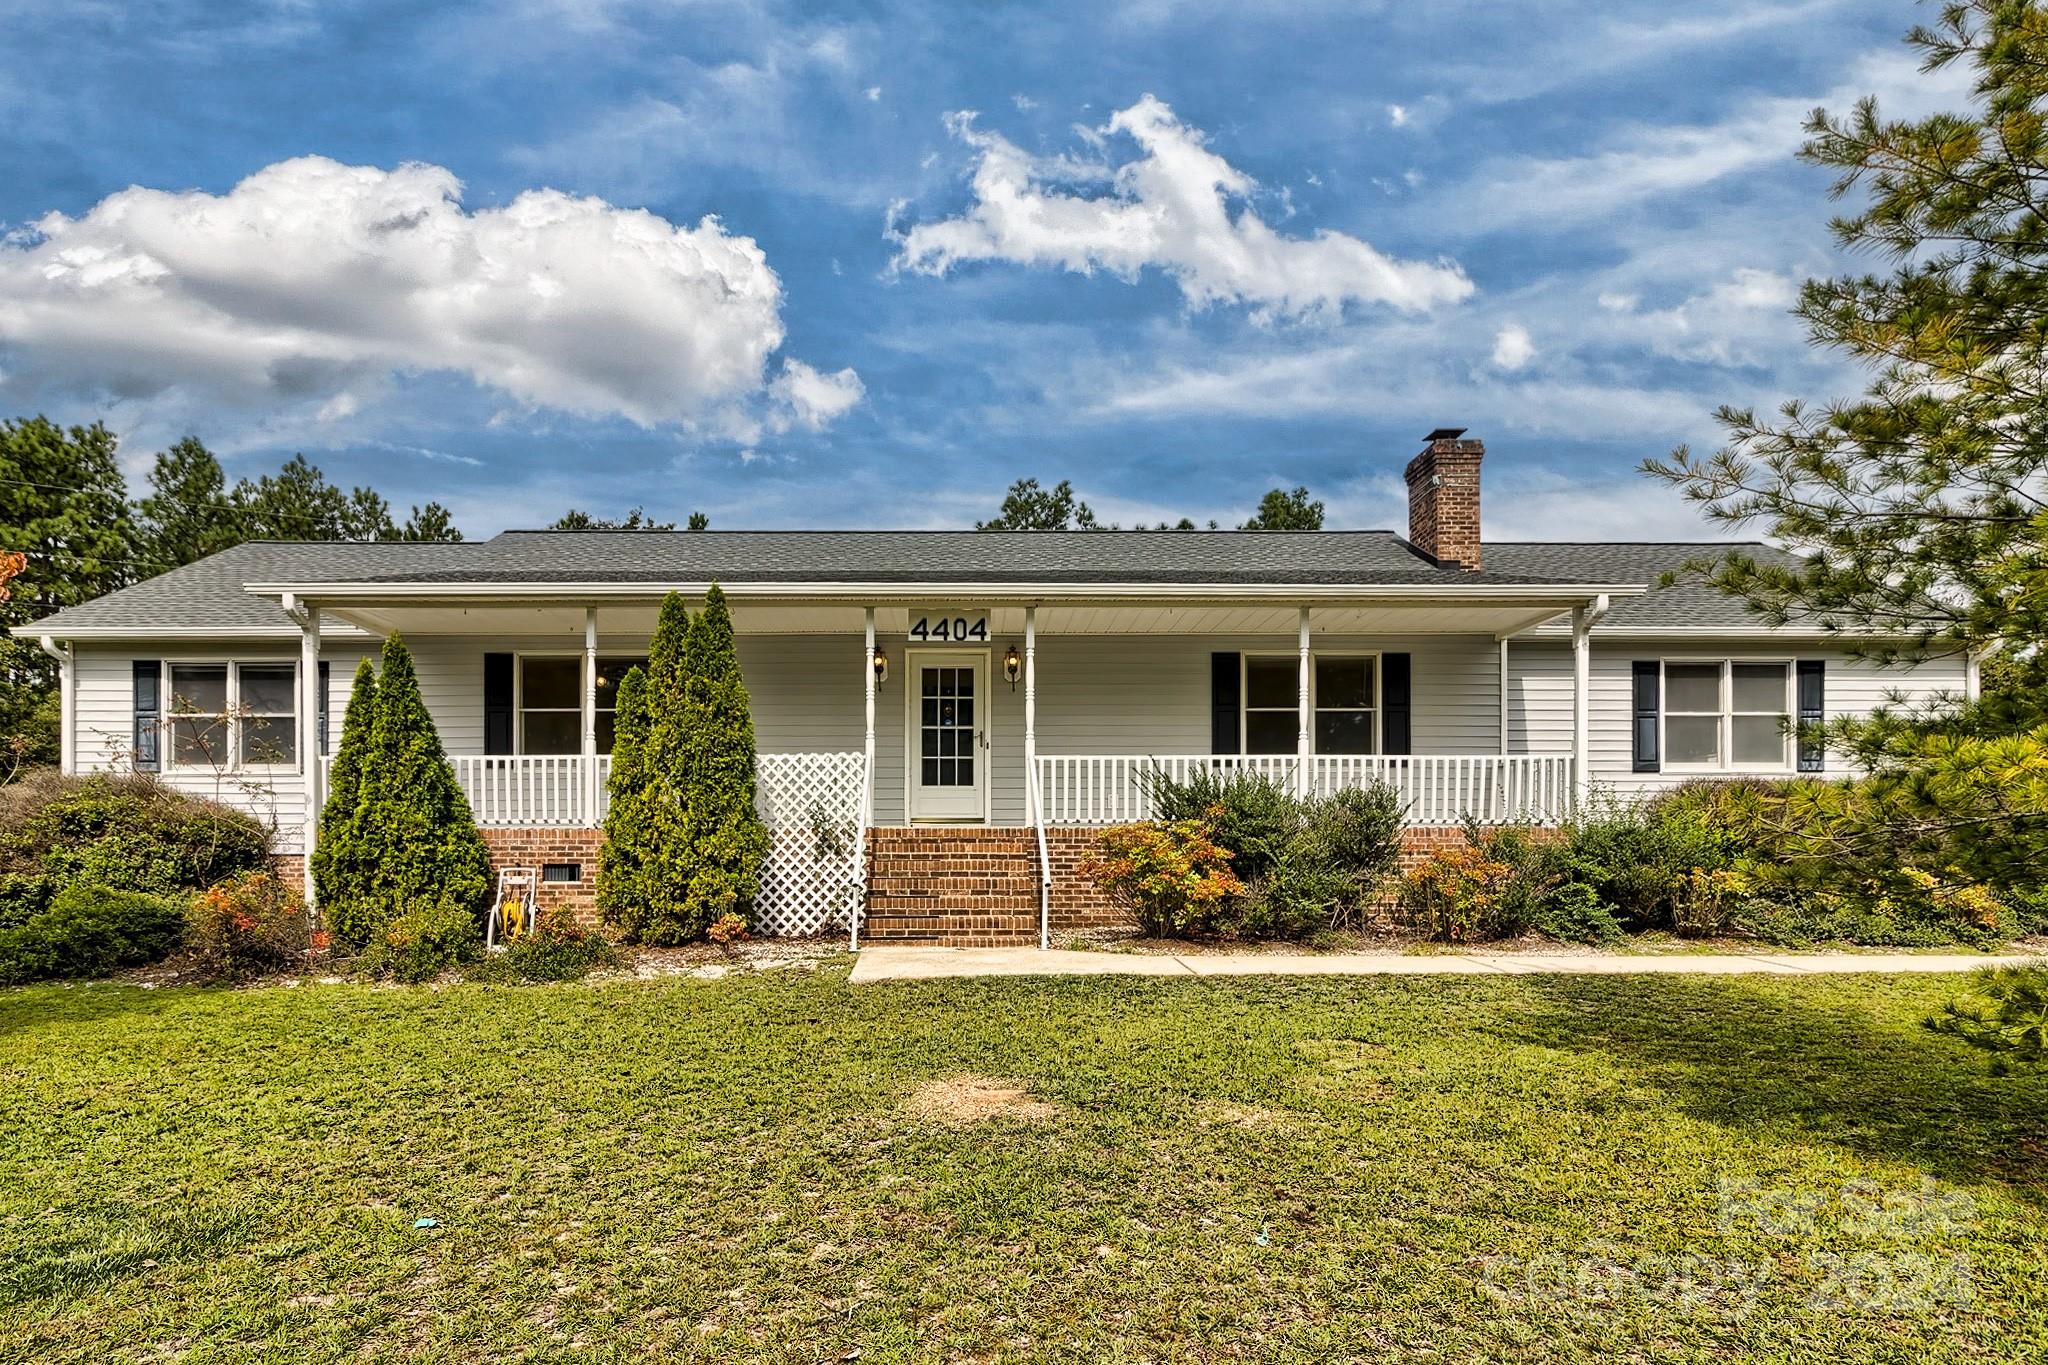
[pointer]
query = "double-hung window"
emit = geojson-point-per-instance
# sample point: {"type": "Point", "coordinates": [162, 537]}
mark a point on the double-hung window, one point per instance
{"type": "Point", "coordinates": [234, 715]}
{"type": "Point", "coordinates": [1727, 713]}
{"type": "Point", "coordinates": [551, 701]}
{"type": "Point", "coordinates": [1343, 703]}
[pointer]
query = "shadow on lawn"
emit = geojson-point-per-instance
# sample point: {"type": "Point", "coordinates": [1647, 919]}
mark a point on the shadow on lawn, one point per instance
{"type": "Point", "coordinates": [1846, 1062]}
{"type": "Point", "coordinates": [34, 1007]}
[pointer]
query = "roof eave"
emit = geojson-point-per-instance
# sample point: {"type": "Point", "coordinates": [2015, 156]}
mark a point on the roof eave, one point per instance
{"type": "Point", "coordinates": [316, 593]}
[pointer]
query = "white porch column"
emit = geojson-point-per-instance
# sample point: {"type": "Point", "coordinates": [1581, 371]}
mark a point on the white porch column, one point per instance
{"type": "Point", "coordinates": [1302, 777]}
{"type": "Point", "coordinates": [590, 788]}
{"type": "Point", "coordinates": [310, 765]}
{"type": "Point", "coordinates": [1582, 681]}
{"type": "Point", "coordinates": [867, 742]}
{"type": "Point", "coordinates": [1031, 703]}
{"type": "Point", "coordinates": [67, 703]}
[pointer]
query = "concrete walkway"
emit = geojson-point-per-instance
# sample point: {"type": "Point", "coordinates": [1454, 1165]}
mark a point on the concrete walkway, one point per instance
{"type": "Point", "coordinates": [919, 963]}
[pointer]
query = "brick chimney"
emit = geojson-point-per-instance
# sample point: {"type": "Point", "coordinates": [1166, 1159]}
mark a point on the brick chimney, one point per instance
{"type": "Point", "coordinates": [1443, 499]}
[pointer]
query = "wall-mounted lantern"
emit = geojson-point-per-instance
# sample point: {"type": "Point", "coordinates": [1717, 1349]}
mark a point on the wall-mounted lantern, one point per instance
{"type": "Point", "coordinates": [881, 666]}
{"type": "Point", "coordinates": [1013, 667]}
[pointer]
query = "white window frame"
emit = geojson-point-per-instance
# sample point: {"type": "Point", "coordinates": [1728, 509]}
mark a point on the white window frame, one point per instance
{"type": "Point", "coordinates": [1727, 713]}
{"type": "Point", "coordinates": [519, 707]}
{"type": "Point", "coordinates": [1245, 708]}
{"type": "Point", "coordinates": [168, 717]}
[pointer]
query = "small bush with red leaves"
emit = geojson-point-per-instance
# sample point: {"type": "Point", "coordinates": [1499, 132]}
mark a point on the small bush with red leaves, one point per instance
{"type": "Point", "coordinates": [1173, 874]}
{"type": "Point", "coordinates": [245, 926]}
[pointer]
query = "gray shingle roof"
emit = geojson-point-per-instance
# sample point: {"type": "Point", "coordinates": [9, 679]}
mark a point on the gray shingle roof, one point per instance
{"type": "Point", "coordinates": [209, 595]}
{"type": "Point", "coordinates": [1682, 606]}
{"type": "Point", "coordinates": [1367, 557]}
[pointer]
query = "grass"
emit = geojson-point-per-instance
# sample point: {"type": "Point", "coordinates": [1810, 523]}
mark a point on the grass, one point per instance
{"type": "Point", "coordinates": [1309, 1169]}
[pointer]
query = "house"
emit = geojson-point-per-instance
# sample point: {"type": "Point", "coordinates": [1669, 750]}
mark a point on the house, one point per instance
{"type": "Point", "coordinates": [943, 717]}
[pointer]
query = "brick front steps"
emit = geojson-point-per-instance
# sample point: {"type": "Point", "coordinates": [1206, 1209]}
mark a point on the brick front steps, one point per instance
{"type": "Point", "coordinates": [962, 887]}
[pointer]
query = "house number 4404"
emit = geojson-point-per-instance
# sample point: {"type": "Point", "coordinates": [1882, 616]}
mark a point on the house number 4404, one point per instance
{"type": "Point", "coordinates": [955, 628]}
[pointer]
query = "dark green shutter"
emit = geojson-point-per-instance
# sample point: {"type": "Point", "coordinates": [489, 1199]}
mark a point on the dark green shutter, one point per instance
{"type": "Point", "coordinates": [1812, 714]}
{"type": "Point", "coordinates": [323, 705]}
{"type": "Point", "coordinates": [1396, 693]}
{"type": "Point", "coordinates": [149, 715]}
{"type": "Point", "coordinates": [1226, 681]}
{"type": "Point", "coordinates": [1649, 683]}
{"type": "Point", "coordinates": [497, 703]}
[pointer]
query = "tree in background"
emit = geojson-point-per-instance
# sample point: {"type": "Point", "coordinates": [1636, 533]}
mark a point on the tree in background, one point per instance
{"type": "Point", "coordinates": [700, 521]}
{"type": "Point", "coordinates": [1027, 507]}
{"type": "Point", "coordinates": [345, 850]}
{"type": "Point", "coordinates": [620, 898]}
{"type": "Point", "coordinates": [646, 814]}
{"type": "Point", "coordinates": [1281, 510]}
{"type": "Point", "coordinates": [717, 864]}
{"type": "Point", "coordinates": [64, 508]}
{"type": "Point", "coordinates": [426, 862]}
{"type": "Point", "coordinates": [1920, 510]}
{"type": "Point", "coordinates": [635, 520]}
{"type": "Point", "coordinates": [189, 511]}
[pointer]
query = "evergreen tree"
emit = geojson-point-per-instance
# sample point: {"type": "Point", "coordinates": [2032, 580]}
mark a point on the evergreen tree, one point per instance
{"type": "Point", "coordinates": [1281, 510]}
{"type": "Point", "coordinates": [1027, 507]}
{"type": "Point", "coordinates": [1919, 512]}
{"type": "Point", "coordinates": [187, 514]}
{"type": "Point", "coordinates": [641, 897]}
{"type": "Point", "coordinates": [621, 899]}
{"type": "Point", "coordinates": [716, 866]}
{"type": "Point", "coordinates": [432, 522]}
{"type": "Point", "coordinates": [346, 850]}
{"type": "Point", "coordinates": [64, 507]}
{"type": "Point", "coordinates": [428, 857]}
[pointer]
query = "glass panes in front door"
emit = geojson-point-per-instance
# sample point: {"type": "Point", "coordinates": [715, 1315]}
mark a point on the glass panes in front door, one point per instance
{"type": "Point", "coordinates": [946, 746]}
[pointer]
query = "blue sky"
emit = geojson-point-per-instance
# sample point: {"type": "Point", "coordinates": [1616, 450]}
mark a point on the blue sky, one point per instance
{"type": "Point", "coordinates": [1179, 253]}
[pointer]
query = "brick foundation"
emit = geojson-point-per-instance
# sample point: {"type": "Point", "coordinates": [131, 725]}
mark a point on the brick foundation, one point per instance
{"type": "Point", "coordinates": [535, 848]}
{"type": "Point", "coordinates": [965, 885]}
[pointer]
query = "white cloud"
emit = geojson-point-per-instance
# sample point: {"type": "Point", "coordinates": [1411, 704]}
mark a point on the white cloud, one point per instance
{"type": "Point", "coordinates": [1512, 347]}
{"type": "Point", "coordinates": [810, 399]}
{"type": "Point", "coordinates": [1647, 162]}
{"type": "Point", "coordinates": [873, 93]}
{"type": "Point", "coordinates": [310, 283]}
{"type": "Point", "coordinates": [1170, 208]}
{"type": "Point", "coordinates": [1397, 115]}
{"type": "Point", "coordinates": [1741, 320]}
{"type": "Point", "coordinates": [1025, 104]}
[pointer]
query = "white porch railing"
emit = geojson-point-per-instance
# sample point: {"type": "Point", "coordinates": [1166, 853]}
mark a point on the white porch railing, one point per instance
{"type": "Point", "coordinates": [1440, 789]}
{"type": "Point", "coordinates": [519, 790]}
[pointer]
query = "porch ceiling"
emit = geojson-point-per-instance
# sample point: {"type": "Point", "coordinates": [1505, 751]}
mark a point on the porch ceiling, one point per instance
{"type": "Point", "coordinates": [1403, 616]}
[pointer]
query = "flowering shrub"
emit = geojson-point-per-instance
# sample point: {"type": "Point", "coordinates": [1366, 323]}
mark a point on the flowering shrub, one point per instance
{"type": "Point", "coordinates": [245, 926]}
{"type": "Point", "coordinates": [1461, 895]}
{"type": "Point", "coordinates": [1174, 875]}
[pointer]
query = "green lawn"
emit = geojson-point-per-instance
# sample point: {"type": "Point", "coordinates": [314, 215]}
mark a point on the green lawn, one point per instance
{"type": "Point", "coordinates": [1312, 1169]}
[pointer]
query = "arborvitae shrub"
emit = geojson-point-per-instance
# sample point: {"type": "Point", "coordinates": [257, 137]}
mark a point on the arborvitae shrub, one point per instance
{"type": "Point", "coordinates": [345, 850]}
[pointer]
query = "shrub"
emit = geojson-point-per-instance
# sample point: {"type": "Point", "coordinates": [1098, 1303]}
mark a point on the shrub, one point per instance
{"type": "Point", "coordinates": [412, 836]}
{"type": "Point", "coordinates": [1462, 894]}
{"type": "Point", "coordinates": [246, 926]}
{"type": "Point", "coordinates": [1637, 858]}
{"type": "Point", "coordinates": [1912, 908]}
{"type": "Point", "coordinates": [557, 950]}
{"type": "Point", "coordinates": [88, 931]}
{"type": "Point", "coordinates": [1173, 874]}
{"type": "Point", "coordinates": [2005, 1013]}
{"type": "Point", "coordinates": [423, 942]}
{"type": "Point", "coordinates": [1307, 866]}
{"type": "Point", "coordinates": [1248, 813]}
{"type": "Point", "coordinates": [344, 855]}
{"type": "Point", "coordinates": [130, 833]}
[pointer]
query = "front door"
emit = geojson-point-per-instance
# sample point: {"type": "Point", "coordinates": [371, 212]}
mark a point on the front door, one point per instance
{"type": "Point", "coordinates": [948, 736]}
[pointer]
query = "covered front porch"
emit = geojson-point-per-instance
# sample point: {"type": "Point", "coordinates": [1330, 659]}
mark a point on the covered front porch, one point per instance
{"type": "Point", "coordinates": [1038, 716]}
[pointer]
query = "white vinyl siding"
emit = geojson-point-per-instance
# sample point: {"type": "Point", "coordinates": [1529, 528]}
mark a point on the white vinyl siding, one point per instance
{"type": "Point", "coordinates": [1540, 695]}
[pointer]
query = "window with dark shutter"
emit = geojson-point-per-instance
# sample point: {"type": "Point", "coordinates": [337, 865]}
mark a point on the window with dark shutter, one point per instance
{"type": "Point", "coordinates": [1397, 689]}
{"type": "Point", "coordinates": [498, 703]}
{"type": "Point", "coordinates": [1812, 714]}
{"type": "Point", "coordinates": [323, 706]}
{"type": "Point", "coordinates": [149, 715]}
{"type": "Point", "coordinates": [1224, 684]}
{"type": "Point", "coordinates": [1648, 680]}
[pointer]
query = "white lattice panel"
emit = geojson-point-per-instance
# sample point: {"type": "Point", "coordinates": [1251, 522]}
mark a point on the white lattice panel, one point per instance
{"type": "Point", "coordinates": [811, 879]}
